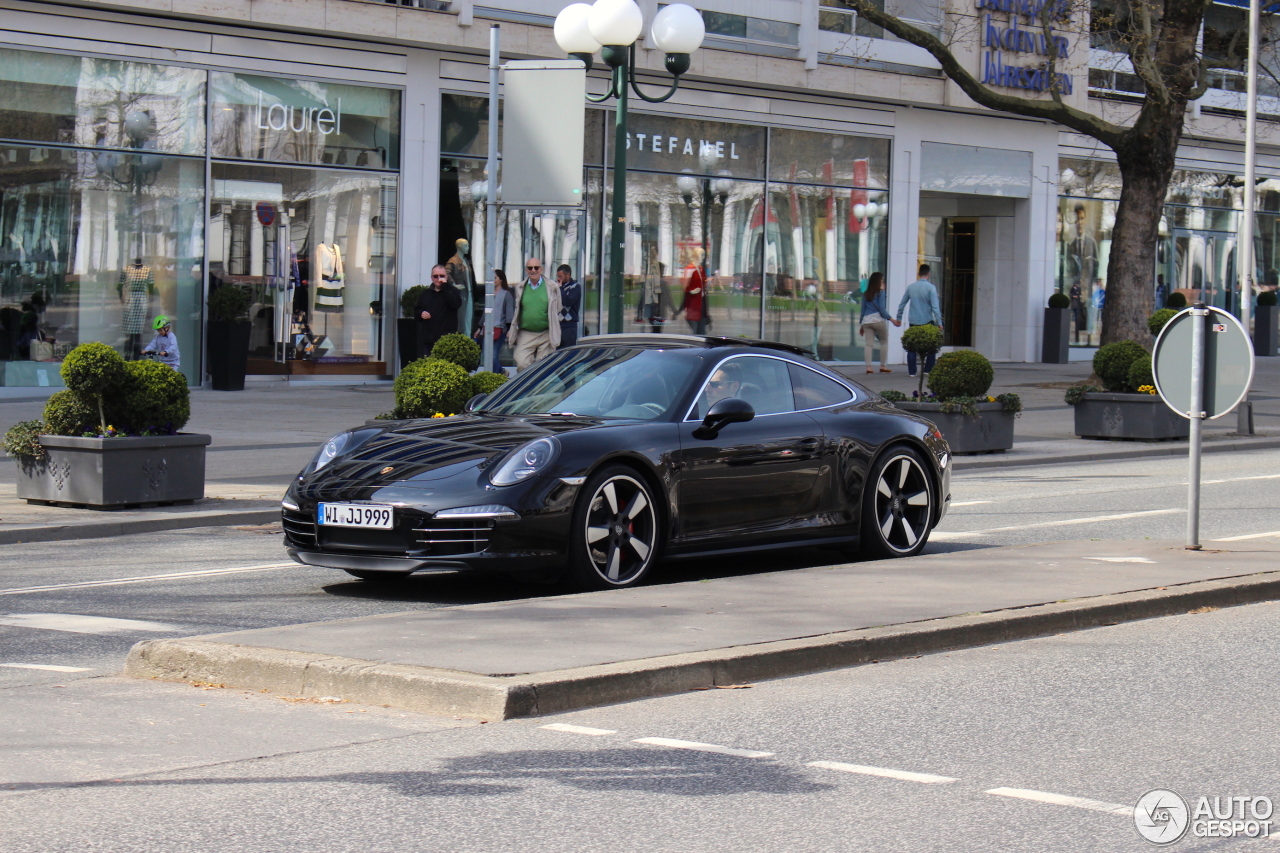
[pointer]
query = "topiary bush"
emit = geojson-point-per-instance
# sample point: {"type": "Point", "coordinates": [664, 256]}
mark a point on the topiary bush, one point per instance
{"type": "Point", "coordinates": [1059, 300]}
{"type": "Point", "coordinates": [1112, 363]}
{"type": "Point", "coordinates": [922, 340]}
{"type": "Point", "coordinates": [90, 371]}
{"type": "Point", "coordinates": [431, 386]}
{"type": "Point", "coordinates": [67, 413]}
{"type": "Point", "coordinates": [153, 398]}
{"type": "Point", "coordinates": [1267, 297]}
{"type": "Point", "coordinates": [964, 373]}
{"type": "Point", "coordinates": [459, 349]}
{"type": "Point", "coordinates": [1157, 321]}
{"type": "Point", "coordinates": [1140, 375]}
{"type": "Point", "coordinates": [229, 304]}
{"type": "Point", "coordinates": [409, 301]}
{"type": "Point", "coordinates": [485, 382]}
{"type": "Point", "coordinates": [1176, 300]}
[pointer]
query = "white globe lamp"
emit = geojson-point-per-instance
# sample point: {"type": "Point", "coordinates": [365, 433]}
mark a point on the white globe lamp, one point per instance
{"type": "Point", "coordinates": [678, 29]}
{"type": "Point", "coordinates": [573, 33]}
{"type": "Point", "coordinates": [615, 23]}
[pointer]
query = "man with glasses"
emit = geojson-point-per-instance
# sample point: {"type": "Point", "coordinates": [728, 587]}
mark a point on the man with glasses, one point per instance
{"type": "Point", "coordinates": [437, 310]}
{"type": "Point", "coordinates": [535, 334]}
{"type": "Point", "coordinates": [724, 383]}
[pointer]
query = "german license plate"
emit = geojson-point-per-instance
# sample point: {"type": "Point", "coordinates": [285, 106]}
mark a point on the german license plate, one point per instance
{"type": "Point", "coordinates": [373, 516]}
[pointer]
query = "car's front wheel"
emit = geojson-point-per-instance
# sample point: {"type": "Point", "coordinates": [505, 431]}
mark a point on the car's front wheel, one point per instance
{"type": "Point", "coordinates": [615, 537]}
{"type": "Point", "coordinates": [898, 506]}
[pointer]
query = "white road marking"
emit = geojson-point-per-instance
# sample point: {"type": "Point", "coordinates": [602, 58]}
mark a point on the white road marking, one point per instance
{"type": "Point", "coordinates": [1063, 800]}
{"type": "Point", "coordinates": [905, 775]}
{"type": "Point", "coordinates": [1239, 479]}
{"type": "Point", "coordinates": [1247, 536]}
{"type": "Point", "coordinates": [702, 747]}
{"type": "Point", "coordinates": [579, 730]}
{"type": "Point", "coordinates": [143, 578]}
{"type": "Point", "coordinates": [47, 667]}
{"type": "Point", "coordinates": [969, 503]}
{"type": "Point", "coordinates": [77, 624]}
{"type": "Point", "coordinates": [939, 536]}
{"type": "Point", "coordinates": [1123, 559]}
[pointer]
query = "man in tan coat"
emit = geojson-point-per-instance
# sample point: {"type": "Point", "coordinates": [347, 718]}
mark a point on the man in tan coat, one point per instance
{"type": "Point", "coordinates": [535, 334]}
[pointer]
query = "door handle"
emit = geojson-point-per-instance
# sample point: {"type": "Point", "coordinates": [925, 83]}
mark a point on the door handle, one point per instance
{"type": "Point", "coordinates": [810, 445]}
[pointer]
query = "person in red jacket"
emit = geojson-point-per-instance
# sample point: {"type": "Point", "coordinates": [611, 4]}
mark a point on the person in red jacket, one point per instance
{"type": "Point", "coordinates": [694, 304]}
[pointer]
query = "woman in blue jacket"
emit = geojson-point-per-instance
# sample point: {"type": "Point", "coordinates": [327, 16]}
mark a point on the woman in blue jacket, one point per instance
{"type": "Point", "coordinates": [875, 321]}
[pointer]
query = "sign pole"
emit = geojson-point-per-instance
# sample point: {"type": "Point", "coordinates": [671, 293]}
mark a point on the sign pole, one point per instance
{"type": "Point", "coordinates": [1244, 417]}
{"type": "Point", "coordinates": [1196, 414]}
{"type": "Point", "coordinates": [490, 204]}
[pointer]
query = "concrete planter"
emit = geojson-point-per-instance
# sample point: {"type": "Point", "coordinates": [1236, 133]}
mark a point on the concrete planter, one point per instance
{"type": "Point", "coordinates": [115, 472]}
{"type": "Point", "coordinates": [1137, 417]}
{"type": "Point", "coordinates": [990, 432]}
{"type": "Point", "coordinates": [228, 349]}
{"type": "Point", "coordinates": [1057, 336]}
{"type": "Point", "coordinates": [407, 341]}
{"type": "Point", "coordinates": [1266, 329]}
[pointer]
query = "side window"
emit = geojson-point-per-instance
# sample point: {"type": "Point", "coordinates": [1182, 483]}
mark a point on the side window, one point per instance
{"type": "Point", "coordinates": [765, 383]}
{"type": "Point", "coordinates": [813, 390]}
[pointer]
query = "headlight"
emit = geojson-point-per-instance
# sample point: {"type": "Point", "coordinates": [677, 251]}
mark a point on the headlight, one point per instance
{"type": "Point", "coordinates": [528, 460]}
{"type": "Point", "coordinates": [340, 444]}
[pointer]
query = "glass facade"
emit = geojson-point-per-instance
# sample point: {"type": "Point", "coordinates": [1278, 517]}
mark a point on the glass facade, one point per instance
{"type": "Point", "coordinates": [1195, 255]}
{"type": "Point", "coordinates": [784, 227]}
{"type": "Point", "coordinates": [104, 211]}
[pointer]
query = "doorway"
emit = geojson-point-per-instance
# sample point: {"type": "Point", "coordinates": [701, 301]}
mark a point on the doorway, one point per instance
{"type": "Point", "coordinates": [950, 246]}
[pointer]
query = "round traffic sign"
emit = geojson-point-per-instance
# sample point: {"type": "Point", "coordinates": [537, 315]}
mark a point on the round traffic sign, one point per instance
{"type": "Point", "coordinates": [1228, 362]}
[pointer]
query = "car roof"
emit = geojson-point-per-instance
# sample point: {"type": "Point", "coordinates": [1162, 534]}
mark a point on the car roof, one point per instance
{"type": "Point", "coordinates": [692, 341]}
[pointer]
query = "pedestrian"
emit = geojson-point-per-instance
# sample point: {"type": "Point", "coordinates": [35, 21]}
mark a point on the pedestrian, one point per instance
{"type": "Point", "coordinates": [875, 321]}
{"type": "Point", "coordinates": [694, 303]}
{"type": "Point", "coordinates": [504, 312]}
{"type": "Point", "coordinates": [922, 296]}
{"type": "Point", "coordinates": [535, 333]}
{"type": "Point", "coordinates": [655, 300]}
{"type": "Point", "coordinates": [437, 310]}
{"type": "Point", "coordinates": [165, 344]}
{"type": "Point", "coordinates": [570, 306]}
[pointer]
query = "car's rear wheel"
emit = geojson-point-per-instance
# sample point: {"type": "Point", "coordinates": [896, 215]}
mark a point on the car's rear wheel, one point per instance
{"type": "Point", "coordinates": [898, 506]}
{"type": "Point", "coordinates": [615, 537]}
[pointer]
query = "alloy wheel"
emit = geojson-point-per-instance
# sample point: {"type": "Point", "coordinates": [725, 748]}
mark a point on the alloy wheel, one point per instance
{"type": "Point", "coordinates": [621, 529]}
{"type": "Point", "coordinates": [902, 503]}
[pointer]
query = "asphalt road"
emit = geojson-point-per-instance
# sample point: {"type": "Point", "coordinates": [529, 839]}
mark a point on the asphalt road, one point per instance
{"type": "Point", "coordinates": [79, 606]}
{"type": "Point", "coordinates": [1036, 746]}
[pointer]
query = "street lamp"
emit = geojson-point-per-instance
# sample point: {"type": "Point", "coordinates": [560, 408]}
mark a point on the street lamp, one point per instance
{"type": "Point", "coordinates": [714, 188]}
{"type": "Point", "coordinates": [612, 27]}
{"type": "Point", "coordinates": [136, 170]}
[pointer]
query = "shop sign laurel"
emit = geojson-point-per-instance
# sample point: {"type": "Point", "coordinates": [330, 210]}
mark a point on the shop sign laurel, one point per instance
{"type": "Point", "coordinates": [1022, 32]}
{"type": "Point", "coordinates": [280, 116]}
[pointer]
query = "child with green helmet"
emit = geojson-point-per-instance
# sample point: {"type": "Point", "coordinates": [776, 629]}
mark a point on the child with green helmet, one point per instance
{"type": "Point", "coordinates": [165, 343]}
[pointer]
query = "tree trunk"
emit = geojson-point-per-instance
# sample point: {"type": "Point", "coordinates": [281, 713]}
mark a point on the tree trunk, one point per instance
{"type": "Point", "coordinates": [1146, 162]}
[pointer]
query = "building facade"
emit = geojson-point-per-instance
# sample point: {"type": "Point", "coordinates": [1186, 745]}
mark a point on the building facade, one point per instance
{"type": "Point", "coordinates": [321, 155]}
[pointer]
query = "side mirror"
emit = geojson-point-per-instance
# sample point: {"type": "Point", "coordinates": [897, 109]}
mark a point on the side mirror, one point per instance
{"type": "Point", "coordinates": [475, 402]}
{"type": "Point", "coordinates": [730, 410]}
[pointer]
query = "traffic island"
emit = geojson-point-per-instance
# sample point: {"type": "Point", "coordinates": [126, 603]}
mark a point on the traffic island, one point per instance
{"type": "Point", "coordinates": [551, 655]}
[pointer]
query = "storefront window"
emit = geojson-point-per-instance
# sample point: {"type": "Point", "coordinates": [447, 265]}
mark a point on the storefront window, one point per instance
{"type": "Point", "coordinates": [94, 246]}
{"type": "Point", "coordinates": [106, 103]}
{"type": "Point", "coordinates": [337, 228]}
{"type": "Point", "coordinates": [799, 156]}
{"type": "Point", "coordinates": [304, 121]}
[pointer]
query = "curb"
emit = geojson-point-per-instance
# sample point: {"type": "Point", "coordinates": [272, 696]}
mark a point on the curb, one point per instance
{"type": "Point", "coordinates": [98, 530]}
{"type": "Point", "coordinates": [962, 463]}
{"type": "Point", "coordinates": [437, 691]}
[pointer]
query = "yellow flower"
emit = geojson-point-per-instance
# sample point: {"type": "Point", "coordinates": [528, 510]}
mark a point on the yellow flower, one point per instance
{"type": "Point", "coordinates": [990, 399]}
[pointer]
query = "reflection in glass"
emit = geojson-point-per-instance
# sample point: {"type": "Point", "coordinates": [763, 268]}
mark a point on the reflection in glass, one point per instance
{"type": "Point", "coordinates": [88, 254]}
{"type": "Point", "coordinates": [821, 246]}
{"type": "Point", "coordinates": [800, 156]}
{"type": "Point", "coordinates": [340, 240]}
{"type": "Point", "coordinates": [72, 100]}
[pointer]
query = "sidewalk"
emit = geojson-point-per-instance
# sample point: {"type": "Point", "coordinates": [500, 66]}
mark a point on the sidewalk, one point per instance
{"type": "Point", "coordinates": [595, 649]}
{"type": "Point", "coordinates": [264, 435]}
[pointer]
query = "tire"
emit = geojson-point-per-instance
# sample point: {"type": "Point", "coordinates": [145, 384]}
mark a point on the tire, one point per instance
{"type": "Point", "coordinates": [377, 576]}
{"type": "Point", "coordinates": [615, 538]}
{"type": "Point", "coordinates": [898, 505]}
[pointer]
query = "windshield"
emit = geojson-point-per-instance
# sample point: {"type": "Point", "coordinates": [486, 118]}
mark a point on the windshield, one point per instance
{"type": "Point", "coordinates": [614, 382]}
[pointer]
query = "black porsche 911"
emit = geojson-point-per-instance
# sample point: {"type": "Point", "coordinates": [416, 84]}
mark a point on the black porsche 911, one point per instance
{"type": "Point", "coordinates": [621, 451]}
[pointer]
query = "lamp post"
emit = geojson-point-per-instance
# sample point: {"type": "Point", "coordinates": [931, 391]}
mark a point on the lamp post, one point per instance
{"type": "Point", "coordinates": [136, 170]}
{"type": "Point", "coordinates": [612, 27]}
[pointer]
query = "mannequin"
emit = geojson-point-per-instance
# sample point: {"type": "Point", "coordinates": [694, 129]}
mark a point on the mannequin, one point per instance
{"type": "Point", "coordinates": [136, 287]}
{"type": "Point", "coordinates": [460, 277]}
